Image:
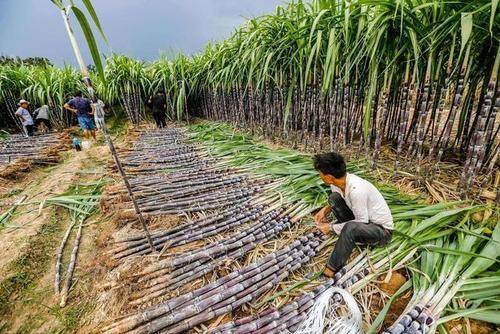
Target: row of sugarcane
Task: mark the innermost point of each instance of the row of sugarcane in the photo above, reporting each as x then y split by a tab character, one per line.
40	148
335	122
337	75
40	85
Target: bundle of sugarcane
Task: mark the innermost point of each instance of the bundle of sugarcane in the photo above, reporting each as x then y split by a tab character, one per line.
168	275
182	234
222	296
465	258
204	186
17	147
81	205
289	316
168	187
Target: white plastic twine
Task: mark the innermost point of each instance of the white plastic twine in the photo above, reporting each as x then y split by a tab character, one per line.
323	316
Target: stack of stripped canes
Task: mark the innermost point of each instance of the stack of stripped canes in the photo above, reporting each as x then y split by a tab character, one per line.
170	176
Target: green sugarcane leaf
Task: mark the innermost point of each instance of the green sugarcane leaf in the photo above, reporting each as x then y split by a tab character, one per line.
459	253
486	316
93	14
488	292
466	29
89	36
488	256
381	316
469	313
58	3
494	5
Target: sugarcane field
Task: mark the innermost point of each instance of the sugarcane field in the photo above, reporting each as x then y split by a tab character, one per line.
285	166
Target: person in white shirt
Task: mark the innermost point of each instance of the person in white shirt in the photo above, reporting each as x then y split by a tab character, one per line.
25	117
99	112
361	212
42	116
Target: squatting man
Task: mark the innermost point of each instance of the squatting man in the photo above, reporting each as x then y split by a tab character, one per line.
360	213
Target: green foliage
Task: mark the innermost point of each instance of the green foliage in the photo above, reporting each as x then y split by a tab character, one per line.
30	61
300	182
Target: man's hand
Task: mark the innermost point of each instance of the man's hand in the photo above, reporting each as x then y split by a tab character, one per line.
324	228
318	217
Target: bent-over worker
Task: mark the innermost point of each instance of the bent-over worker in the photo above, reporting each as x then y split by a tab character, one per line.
42	117
361	214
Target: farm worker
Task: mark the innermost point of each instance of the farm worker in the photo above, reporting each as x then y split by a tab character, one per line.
24	115
159	103
84	110
99	111
42	116
360	211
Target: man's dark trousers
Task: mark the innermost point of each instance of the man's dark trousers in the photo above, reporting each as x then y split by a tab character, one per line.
160	119
353	232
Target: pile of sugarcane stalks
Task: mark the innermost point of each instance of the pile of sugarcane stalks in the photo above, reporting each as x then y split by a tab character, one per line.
225	295
18	153
195	182
165	276
289	317
231	206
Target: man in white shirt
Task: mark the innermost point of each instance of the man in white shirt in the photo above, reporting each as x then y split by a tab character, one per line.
25	117
361	212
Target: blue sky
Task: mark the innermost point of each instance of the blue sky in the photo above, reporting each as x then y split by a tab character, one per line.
139	28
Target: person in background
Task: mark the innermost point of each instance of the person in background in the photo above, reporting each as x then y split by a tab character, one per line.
84	110
24	115
99	112
42	117
360	211
158	103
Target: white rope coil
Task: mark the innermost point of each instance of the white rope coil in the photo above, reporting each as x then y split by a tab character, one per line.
324	318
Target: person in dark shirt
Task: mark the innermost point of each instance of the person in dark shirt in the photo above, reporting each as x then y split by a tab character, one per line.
84	110
158	103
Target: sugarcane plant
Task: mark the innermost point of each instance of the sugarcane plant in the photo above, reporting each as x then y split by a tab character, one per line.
360	73
127	82
53	87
